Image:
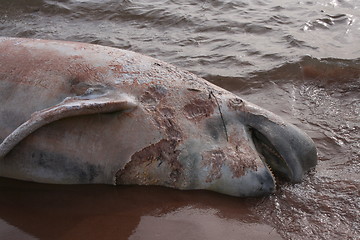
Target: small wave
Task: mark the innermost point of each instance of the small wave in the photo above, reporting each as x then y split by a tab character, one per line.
343	74
143	13
312	204
235	84
328	21
292	42
327	70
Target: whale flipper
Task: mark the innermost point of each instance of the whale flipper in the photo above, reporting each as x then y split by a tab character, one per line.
70	107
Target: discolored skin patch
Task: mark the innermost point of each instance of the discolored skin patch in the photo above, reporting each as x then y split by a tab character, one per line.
214	160
155	102
157	163
215	128
165	120
83	72
199	109
70	67
153	95
238	160
59	162
236	104
84	89
243	158
57	165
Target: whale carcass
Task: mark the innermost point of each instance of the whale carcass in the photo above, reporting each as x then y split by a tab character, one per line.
76	113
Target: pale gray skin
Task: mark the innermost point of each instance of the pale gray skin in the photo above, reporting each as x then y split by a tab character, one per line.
75	113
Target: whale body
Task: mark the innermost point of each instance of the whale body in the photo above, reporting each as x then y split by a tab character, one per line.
77	113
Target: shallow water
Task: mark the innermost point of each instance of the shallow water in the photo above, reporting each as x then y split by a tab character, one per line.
299	59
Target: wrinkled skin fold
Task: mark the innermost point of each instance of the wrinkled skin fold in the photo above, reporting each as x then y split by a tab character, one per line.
75	113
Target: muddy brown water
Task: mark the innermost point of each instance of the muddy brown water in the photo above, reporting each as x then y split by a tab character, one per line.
299	59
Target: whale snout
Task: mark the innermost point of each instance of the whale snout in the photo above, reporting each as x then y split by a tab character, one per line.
286	150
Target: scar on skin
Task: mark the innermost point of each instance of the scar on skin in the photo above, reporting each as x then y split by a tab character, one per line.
236	104
214	160
198	109
211	94
142	169
153	95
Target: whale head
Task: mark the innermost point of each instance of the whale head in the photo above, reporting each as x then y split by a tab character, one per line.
224	144
256	148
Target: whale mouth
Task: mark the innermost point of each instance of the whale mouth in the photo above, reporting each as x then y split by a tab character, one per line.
271	157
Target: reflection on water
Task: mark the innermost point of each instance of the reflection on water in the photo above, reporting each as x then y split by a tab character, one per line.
199	224
10	232
299	59
108	212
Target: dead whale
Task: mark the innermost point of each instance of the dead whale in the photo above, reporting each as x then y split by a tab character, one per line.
76	113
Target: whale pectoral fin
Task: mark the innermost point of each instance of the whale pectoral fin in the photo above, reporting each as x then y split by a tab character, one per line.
70	107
